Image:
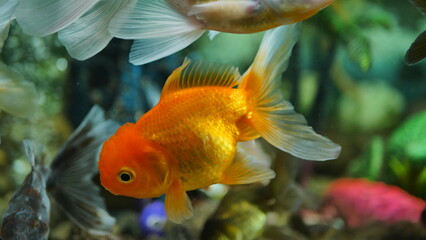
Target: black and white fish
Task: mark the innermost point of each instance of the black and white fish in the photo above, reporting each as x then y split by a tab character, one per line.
68	180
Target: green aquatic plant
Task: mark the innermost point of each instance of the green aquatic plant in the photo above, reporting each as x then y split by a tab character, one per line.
371	163
400	160
407	146
409	176
346	23
409	141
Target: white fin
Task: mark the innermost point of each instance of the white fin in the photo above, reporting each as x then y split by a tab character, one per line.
4	33
32	152
89	34
43	17
7	8
148	50
212	34
159	30
17	96
273	117
253	149
70	182
243	170
151	19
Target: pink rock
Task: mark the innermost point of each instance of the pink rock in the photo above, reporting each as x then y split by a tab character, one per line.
361	202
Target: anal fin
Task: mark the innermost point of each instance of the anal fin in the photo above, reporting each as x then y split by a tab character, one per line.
178	205
243	171
246	132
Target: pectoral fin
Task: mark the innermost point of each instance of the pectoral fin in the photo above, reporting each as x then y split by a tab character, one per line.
159	29
244	170
178	205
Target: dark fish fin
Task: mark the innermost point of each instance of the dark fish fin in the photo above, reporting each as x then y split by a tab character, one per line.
70	182
421	5
417	50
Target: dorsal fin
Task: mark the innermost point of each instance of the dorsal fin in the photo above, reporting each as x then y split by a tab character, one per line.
198	74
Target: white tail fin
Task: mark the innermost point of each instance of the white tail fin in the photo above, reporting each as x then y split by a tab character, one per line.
89	34
43	17
7	9
273	117
159	30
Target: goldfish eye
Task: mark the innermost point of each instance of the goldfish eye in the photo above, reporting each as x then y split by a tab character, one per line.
126	176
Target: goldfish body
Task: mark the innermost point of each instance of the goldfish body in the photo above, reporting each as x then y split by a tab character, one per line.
189	139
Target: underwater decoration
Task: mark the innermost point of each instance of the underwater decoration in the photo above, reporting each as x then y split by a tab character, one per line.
235	218
361	202
153	218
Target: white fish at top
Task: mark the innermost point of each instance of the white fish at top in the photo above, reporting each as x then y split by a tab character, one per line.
159	27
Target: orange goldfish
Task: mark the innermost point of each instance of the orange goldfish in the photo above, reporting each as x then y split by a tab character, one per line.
189	139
